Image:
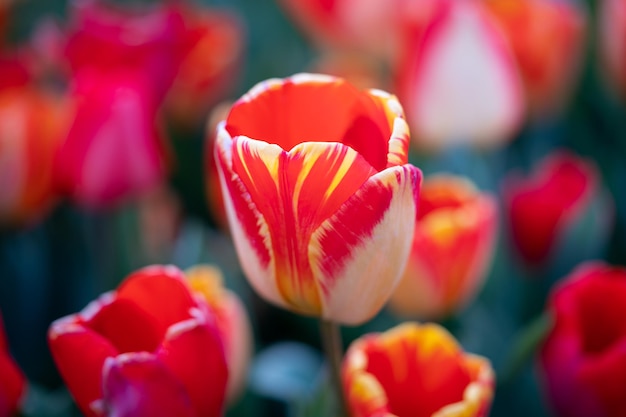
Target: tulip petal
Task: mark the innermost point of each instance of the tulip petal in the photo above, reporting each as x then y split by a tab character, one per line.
366	243
11	385
126	326
161	292
79	353
310	183
281	112
137	385
193	352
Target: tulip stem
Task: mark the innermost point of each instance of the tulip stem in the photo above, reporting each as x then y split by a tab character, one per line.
333	348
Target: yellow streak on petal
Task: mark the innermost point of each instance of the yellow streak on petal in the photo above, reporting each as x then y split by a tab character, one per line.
346	163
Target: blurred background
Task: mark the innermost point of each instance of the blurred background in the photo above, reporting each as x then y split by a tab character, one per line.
107	113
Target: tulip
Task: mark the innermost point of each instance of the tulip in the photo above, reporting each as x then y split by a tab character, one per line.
211	60
547	39
151	347
319	196
114	126
418	371
105	39
12	381
453	54
612	38
562	200
583	358
452	249
33	124
232	322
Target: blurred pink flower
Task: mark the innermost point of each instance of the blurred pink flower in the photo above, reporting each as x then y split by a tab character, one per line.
612	38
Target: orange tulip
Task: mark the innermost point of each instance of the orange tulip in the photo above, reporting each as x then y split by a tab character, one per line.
32	127
415	370
547	39
232	322
319	195
452	248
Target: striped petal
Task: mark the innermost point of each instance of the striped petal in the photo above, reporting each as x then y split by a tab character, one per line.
280	198
359	253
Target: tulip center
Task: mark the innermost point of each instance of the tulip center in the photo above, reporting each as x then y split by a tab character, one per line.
315	112
418	386
601	316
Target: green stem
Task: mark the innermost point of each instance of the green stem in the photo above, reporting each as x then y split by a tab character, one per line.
331	339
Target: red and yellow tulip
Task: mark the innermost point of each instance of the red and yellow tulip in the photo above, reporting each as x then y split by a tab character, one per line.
319	195
452	249
151	347
415	370
583	359
12	381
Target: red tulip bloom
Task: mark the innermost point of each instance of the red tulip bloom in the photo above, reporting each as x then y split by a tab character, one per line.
212	57
453	52
547	39
583	358
12	381
545	206
149	348
452	249
415	371
319	195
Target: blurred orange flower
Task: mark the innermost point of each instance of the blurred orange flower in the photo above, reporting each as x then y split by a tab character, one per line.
33	125
548	40
453	246
415	370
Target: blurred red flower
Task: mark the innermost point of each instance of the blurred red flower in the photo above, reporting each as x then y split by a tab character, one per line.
415	371
12	381
583	359
150	348
563	193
